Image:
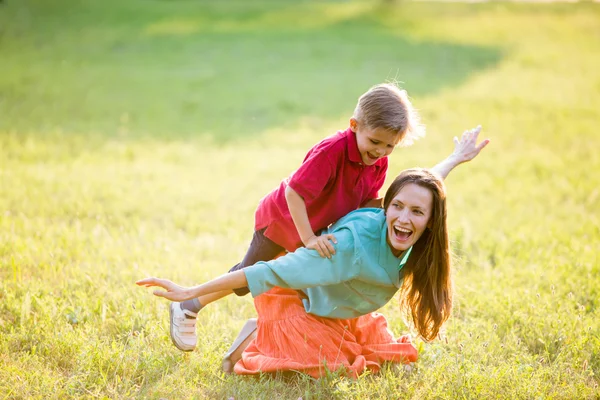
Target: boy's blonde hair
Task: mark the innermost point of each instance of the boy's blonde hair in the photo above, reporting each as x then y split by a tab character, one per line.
387	106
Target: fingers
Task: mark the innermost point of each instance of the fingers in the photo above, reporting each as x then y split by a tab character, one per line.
332	238
330	241
323	245
469	137
482	145
147	282
319	249
315	245
326	246
171	291
167	295
473	133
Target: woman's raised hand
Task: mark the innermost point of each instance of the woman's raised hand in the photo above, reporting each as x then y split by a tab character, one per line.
467	148
172	291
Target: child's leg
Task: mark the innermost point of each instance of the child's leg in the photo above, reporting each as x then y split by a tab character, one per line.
183	315
183	321
209	298
261	249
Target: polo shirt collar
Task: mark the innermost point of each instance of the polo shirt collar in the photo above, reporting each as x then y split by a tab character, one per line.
353	153
388	260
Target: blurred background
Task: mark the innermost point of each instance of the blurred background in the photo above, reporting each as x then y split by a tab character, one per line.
137	137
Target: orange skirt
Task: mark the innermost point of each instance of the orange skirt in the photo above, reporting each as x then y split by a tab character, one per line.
290	339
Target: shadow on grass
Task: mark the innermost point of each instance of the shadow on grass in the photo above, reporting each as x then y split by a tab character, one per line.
179	69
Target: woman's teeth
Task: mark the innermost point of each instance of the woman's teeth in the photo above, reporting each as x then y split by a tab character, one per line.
402	233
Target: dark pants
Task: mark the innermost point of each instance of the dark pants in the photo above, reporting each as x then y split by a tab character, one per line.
261	249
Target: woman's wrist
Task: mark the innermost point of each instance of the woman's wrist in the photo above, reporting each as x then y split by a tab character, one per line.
192	292
454	160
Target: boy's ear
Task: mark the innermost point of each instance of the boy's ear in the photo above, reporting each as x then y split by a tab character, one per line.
353	124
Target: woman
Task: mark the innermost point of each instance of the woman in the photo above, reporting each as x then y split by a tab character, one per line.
315	311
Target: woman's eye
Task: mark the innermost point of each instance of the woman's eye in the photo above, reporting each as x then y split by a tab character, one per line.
418	212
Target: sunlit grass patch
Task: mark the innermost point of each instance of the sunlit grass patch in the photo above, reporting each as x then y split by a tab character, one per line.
137	138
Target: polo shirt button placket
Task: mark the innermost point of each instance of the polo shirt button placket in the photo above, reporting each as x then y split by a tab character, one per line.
362	169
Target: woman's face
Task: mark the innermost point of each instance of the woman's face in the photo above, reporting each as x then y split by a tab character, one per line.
407	217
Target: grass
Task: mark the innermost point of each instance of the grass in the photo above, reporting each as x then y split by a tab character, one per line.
136	138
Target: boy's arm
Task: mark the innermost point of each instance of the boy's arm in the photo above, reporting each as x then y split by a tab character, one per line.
465	150
304	268
297	208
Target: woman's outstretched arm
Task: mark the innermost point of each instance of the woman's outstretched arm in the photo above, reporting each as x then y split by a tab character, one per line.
301	269
175	292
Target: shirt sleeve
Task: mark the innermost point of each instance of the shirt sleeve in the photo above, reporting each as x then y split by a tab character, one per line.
379	181
304	268
313	175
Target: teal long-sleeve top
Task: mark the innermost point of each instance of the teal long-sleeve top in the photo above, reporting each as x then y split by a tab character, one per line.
361	277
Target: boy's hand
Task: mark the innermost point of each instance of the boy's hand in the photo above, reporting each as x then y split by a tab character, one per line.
467	148
322	244
173	292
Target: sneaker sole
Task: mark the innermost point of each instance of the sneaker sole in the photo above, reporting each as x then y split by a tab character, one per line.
171	330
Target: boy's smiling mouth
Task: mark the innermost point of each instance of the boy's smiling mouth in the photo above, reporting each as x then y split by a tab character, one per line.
372	157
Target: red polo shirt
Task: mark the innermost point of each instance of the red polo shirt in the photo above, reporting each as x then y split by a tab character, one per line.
332	180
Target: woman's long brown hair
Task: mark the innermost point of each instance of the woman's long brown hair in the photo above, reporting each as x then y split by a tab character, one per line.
426	292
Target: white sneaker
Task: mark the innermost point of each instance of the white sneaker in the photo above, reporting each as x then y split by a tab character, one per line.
183	330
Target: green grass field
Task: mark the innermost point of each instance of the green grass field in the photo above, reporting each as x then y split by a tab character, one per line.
137	137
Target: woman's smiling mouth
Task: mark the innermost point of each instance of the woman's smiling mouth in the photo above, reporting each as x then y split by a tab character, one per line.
402	234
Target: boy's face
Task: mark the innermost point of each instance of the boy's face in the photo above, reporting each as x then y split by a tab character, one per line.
374	144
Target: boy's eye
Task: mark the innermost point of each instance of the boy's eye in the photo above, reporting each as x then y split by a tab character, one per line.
374	141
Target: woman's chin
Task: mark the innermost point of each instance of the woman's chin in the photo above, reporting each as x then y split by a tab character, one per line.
399	247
